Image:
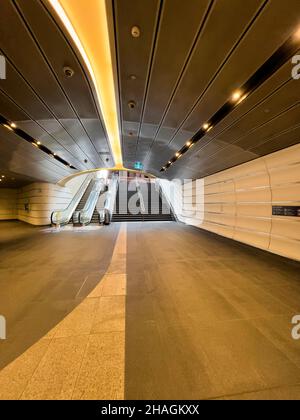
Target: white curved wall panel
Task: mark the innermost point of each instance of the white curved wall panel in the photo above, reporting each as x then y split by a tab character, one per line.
8	204
237	203
37	201
34	203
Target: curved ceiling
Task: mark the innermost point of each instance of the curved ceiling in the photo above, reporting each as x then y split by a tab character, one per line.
188	60
58	111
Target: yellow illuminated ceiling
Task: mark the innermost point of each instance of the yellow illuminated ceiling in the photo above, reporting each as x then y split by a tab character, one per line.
87	23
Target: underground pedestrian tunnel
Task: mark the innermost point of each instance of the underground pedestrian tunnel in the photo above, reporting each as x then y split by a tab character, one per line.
149	199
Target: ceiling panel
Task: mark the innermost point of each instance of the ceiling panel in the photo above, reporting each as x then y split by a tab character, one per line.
20	157
170	58
214	47
192	75
61	112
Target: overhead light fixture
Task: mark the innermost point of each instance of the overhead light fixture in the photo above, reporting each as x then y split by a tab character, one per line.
89	29
177	154
265	72
7	126
297	35
25	136
2	176
236	96
135	32
188	143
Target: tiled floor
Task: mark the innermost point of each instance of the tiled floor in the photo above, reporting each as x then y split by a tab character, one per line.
145	311
82	357
44	276
208	318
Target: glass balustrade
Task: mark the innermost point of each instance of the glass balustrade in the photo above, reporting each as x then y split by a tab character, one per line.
85	215
62	217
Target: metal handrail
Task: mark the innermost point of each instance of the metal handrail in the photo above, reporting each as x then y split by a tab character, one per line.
62	217
160	189
86	214
108	209
141	198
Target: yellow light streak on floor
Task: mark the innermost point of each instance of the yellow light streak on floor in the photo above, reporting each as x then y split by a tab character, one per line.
83	357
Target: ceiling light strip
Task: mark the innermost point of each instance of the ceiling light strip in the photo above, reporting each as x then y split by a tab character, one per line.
25	136
280	57
88	28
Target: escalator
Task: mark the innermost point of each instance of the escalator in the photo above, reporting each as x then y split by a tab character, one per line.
83	207
75	216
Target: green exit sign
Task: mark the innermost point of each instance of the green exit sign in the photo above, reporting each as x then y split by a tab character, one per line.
138	166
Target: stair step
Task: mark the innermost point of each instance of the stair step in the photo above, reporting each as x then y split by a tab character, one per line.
157	208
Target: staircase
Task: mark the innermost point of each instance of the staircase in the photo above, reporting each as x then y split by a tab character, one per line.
156	207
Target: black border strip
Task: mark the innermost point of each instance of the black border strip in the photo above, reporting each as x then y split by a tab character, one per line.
25	136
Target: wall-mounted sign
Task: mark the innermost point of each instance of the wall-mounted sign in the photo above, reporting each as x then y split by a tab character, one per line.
289	211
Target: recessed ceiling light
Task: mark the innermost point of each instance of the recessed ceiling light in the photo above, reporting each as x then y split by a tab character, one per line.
135	32
188	143
38	143
177	154
13	125
237	96
297	35
205	126
2	176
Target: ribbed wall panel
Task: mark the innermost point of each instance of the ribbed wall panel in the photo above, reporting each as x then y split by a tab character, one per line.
237	203
41	200
8	204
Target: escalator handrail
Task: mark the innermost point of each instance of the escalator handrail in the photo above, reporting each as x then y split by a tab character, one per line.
86	214
111	197
160	189
64	216
141	198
